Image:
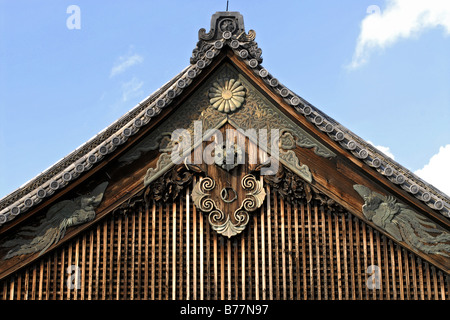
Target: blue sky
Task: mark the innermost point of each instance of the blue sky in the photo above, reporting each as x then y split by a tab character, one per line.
380	68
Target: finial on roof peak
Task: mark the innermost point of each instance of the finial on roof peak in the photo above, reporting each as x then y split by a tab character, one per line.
227	28
223	21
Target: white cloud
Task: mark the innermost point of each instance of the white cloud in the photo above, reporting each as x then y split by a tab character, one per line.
131	88
400	19
384	149
124	62
437	171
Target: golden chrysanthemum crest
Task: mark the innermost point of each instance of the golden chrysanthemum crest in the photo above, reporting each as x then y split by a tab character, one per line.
226	95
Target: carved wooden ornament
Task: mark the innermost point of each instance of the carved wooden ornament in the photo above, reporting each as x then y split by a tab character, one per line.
225	222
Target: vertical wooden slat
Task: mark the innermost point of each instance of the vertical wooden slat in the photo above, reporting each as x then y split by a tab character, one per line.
407	273
358	258
435	285
27	282
372	259
216	270
414	277
5	291
146	256
344	250
283	248
290	252
243	265
181	264
352	258
19	286
97	264
441	285
255	241
317	252
269	242
249	264
160	252
377	234
41	280
229	269
364	243
208	259
386	268
119	256
91	263
194	250
11	289
47	270
188	244
76	263
125	256
69	264
304	271
133	253
263	250
427	279
447	277
236	269
393	267
167	253
421	289
202	277
222	269
276	244
311	252
297	251
400	272
56	272
111	258
174	250
153	265
139	262
338	258
105	253
83	267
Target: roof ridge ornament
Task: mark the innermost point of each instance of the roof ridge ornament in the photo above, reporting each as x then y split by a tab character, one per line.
223	22
226	28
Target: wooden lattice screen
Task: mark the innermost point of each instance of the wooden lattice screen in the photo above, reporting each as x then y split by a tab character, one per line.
288	251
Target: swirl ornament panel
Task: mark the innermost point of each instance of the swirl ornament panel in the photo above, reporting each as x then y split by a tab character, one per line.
223	222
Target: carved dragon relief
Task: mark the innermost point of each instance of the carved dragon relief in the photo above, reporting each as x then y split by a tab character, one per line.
403	223
52	227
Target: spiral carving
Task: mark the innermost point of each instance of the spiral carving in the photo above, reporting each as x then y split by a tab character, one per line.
216	216
241	216
249	182
219	220
249	204
207	184
206	204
